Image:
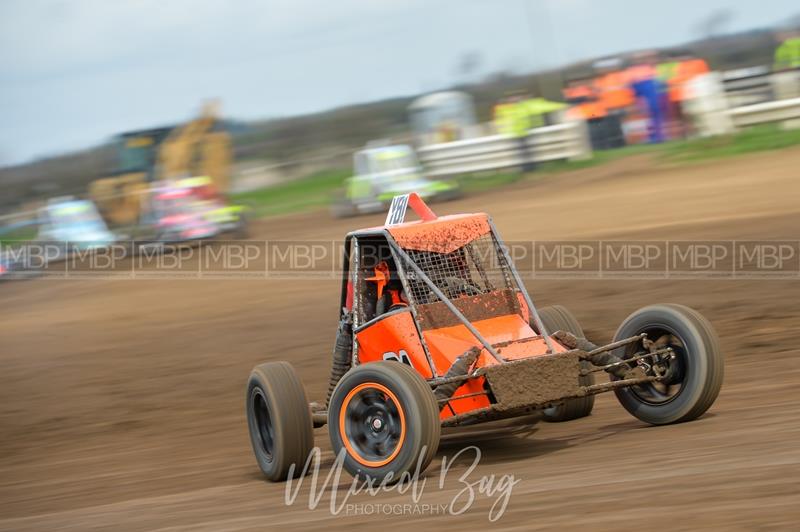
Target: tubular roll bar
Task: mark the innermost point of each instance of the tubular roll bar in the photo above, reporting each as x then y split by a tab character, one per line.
444	299
517	279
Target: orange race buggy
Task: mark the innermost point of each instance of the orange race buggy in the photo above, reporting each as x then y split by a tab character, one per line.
438	330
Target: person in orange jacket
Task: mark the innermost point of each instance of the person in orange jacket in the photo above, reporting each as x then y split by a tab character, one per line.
615	95
585	104
614	90
583	101
688	68
685	71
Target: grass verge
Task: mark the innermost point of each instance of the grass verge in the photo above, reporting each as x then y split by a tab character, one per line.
317	190
310	192
754	139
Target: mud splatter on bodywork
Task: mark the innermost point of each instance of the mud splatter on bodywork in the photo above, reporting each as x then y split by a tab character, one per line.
443	235
534	381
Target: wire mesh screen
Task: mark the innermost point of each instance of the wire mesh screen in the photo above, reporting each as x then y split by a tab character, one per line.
474	269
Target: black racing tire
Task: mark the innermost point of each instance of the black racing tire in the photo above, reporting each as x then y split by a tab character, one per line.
279	420
341	206
558	318
242	229
698	357
449	195
343	210
407	434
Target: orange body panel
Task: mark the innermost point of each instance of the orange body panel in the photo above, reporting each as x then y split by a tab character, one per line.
522	347
447	343
467	404
500	316
397	333
442	235
391	335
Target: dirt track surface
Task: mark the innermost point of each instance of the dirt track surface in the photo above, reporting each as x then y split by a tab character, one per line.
121	402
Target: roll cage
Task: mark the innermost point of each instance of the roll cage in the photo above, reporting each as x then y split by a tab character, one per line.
450	276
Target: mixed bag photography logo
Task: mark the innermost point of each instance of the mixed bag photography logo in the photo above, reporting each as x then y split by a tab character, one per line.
453	490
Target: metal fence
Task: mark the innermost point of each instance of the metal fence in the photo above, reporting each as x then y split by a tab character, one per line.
747	86
758	96
567	141
759	113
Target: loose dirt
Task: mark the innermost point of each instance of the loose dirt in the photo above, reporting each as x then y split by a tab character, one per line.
122	401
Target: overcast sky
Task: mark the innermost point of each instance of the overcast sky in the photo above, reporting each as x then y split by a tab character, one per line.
74	72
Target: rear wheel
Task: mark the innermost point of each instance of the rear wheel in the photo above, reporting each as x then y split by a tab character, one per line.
241	230
449	195
385	419
343	209
279	420
558	318
692	379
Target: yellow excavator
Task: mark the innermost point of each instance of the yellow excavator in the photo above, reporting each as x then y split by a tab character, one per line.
200	147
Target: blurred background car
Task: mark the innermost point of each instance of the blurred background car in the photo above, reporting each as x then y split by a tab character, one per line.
74	224
229	218
384	172
178	216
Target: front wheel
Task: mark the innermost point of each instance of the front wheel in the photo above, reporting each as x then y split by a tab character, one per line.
385	419
279	419
691	379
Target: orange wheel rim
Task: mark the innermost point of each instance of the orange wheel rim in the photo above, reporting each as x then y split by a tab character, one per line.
347	437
